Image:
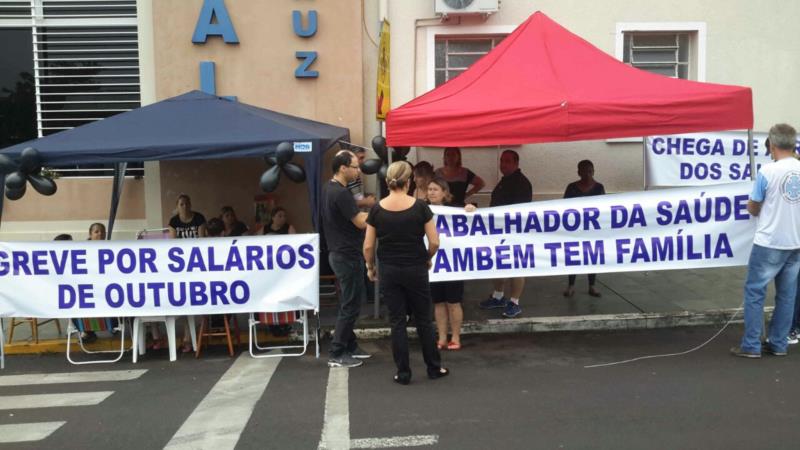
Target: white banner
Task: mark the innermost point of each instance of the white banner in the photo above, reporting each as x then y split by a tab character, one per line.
680	228
271	273
700	159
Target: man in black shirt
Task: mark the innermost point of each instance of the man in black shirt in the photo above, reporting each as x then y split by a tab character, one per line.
344	226
513	188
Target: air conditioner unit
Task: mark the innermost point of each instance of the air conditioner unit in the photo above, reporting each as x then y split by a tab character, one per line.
457	7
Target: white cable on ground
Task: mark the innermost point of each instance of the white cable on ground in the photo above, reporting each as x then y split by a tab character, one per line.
736	313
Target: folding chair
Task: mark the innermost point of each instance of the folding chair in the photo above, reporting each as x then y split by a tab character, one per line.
34	323
282	318
95	324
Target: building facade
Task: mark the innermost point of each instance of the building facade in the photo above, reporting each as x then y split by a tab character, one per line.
318	59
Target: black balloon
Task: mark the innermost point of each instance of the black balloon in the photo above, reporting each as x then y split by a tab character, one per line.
284	153
30	161
271	160
15	194
382	172
43	185
15	180
400	153
294	172
379	145
7	165
371	166
270	178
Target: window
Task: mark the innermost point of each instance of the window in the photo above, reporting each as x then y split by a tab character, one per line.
661	53
454	55
17	92
85	64
674	49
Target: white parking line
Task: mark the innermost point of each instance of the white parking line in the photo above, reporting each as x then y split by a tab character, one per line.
336	425
395	442
220	418
52	400
70	377
27	432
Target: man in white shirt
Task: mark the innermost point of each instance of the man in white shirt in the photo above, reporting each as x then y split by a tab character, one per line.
775	201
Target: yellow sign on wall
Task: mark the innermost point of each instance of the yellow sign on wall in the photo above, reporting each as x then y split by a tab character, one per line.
382	103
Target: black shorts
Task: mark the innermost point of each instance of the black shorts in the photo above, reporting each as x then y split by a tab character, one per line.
447	291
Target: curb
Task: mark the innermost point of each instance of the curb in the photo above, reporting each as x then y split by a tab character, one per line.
596	322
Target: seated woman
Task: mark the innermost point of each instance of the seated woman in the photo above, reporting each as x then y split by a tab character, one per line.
278	224
585	187
458	177
423	174
233	226
186	224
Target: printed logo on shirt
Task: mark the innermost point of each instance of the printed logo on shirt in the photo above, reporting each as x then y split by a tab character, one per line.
790	187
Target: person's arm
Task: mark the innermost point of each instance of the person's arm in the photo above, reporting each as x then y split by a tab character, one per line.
433	239
172	232
754	208
202	231
292	230
477	184
360	220
369	252
757	195
367	202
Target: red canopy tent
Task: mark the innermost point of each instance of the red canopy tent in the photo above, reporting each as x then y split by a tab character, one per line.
545	84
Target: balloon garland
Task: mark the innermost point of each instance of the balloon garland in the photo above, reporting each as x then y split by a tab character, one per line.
27	171
381	164
281	161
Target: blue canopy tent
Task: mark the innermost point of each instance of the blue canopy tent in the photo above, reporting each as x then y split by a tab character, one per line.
194	125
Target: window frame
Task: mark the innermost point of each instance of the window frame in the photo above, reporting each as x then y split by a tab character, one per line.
452	31
698	28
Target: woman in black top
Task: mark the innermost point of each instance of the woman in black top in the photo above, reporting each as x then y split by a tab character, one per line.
585	187
399	223
232	225
458	177
186	223
183	225
278	223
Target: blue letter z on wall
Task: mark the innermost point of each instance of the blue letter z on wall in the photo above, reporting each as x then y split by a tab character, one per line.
308	59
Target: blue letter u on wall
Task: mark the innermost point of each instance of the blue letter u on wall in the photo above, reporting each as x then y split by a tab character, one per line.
297	23
206	27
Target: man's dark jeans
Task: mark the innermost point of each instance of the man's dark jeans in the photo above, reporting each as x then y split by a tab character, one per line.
349	271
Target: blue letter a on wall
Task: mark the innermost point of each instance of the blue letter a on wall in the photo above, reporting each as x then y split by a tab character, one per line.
206	26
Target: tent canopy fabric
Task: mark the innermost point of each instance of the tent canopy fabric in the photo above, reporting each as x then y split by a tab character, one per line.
194	125
545	84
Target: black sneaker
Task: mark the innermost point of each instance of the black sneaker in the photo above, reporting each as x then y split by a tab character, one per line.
766	348
344	361
737	351
359	353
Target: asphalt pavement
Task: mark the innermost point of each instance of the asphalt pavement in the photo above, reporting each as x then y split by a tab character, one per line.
527	391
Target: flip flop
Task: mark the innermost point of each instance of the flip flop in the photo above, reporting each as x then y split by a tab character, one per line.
454	346
440	346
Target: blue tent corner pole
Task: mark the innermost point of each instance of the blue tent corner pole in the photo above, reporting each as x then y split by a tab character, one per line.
116	193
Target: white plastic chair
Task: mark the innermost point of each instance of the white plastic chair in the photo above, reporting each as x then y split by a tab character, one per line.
284	318
105	325
139	345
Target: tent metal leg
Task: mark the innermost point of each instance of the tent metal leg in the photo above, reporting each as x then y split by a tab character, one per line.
116	193
644	162
750	153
